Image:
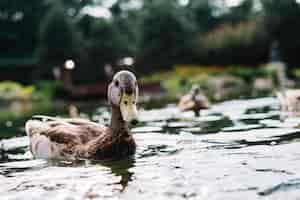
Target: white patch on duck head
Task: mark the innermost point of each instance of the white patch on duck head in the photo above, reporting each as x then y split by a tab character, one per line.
114	93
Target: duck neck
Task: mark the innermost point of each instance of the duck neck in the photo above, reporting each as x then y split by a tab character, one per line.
117	124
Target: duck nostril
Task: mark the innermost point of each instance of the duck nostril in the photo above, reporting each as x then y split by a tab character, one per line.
134	122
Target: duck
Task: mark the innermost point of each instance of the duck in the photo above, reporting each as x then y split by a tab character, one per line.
194	101
55	138
290	102
289	98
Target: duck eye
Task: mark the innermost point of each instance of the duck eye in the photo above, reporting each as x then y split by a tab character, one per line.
125	102
117	83
133	102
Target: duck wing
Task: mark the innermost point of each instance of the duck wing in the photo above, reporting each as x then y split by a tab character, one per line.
186	103
52	137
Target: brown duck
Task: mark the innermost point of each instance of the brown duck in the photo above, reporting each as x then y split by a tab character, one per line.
71	139
195	101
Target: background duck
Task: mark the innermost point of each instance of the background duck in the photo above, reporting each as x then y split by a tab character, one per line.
195	100
74	138
289	98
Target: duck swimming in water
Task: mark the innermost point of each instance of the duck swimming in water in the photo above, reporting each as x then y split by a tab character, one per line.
75	138
289	98
195	100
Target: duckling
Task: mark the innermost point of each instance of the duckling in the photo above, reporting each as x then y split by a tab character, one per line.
75	138
195	100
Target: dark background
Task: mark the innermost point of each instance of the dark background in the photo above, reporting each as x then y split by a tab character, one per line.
38	35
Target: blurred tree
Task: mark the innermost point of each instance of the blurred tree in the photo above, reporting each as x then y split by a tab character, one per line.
239	13
167	35
203	13
127	21
105	45
129	28
156	33
282	20
73	7
59	40
241	44
19	22
108	39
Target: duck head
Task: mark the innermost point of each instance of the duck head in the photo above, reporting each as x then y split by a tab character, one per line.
195	91
123	94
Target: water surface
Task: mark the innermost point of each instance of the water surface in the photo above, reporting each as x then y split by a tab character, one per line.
234	150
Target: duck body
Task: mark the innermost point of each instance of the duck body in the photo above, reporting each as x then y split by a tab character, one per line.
188	102
75	138
194	101
72	139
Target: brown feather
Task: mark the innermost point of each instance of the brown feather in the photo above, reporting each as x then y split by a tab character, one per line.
84	139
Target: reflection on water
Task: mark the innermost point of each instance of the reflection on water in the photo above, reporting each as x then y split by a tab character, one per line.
121	168
235	149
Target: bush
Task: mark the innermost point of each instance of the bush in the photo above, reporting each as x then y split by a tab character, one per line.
218	82
14	91
167	36
246	43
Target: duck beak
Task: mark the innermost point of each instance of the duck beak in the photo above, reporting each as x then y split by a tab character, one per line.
128	108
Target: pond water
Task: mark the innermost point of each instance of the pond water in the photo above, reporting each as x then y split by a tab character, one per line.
237	149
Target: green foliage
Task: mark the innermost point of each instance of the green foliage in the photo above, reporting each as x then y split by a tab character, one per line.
107	41
218	83
19	24
202	14
19	102
216	87
46	90
249	74
239	14
167	35
158	34
105	44
14	91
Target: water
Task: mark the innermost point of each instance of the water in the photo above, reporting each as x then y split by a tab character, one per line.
237	149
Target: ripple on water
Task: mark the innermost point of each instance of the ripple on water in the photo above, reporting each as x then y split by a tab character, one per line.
286	186
146	129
